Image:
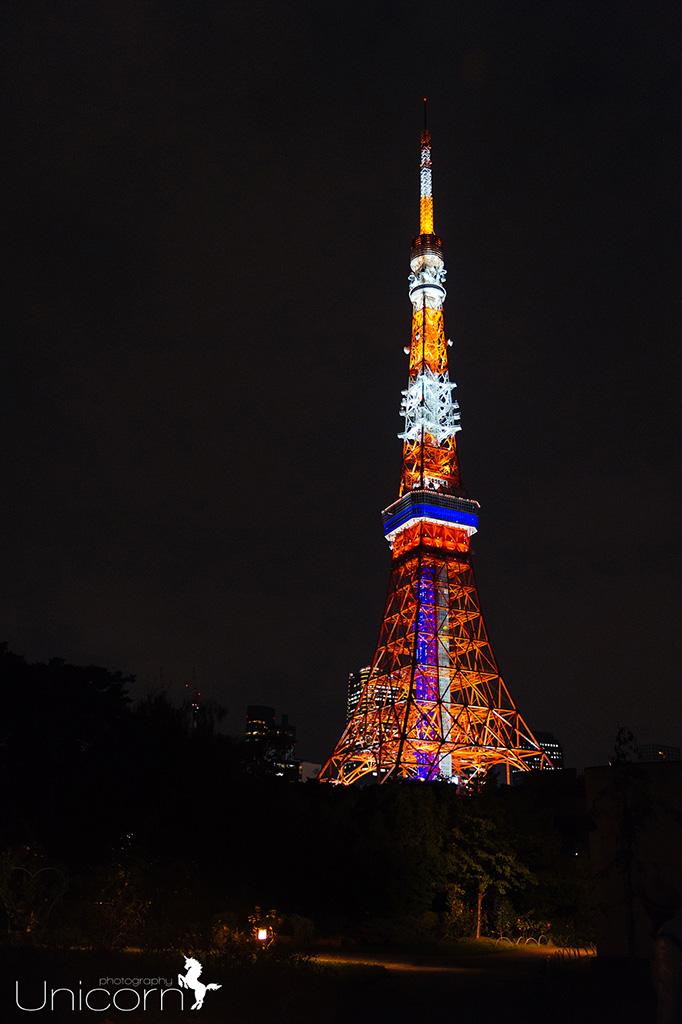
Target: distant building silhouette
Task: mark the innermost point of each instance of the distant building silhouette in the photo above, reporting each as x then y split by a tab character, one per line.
658	752
260	721
551	747
308	770
193	704
270	744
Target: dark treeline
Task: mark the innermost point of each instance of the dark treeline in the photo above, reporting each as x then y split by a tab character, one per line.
144	823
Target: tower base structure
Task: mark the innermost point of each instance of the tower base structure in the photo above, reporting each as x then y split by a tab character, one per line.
435	706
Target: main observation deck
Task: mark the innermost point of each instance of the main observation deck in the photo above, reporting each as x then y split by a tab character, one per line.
432	506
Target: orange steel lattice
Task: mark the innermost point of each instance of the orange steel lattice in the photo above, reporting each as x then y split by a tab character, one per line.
434	705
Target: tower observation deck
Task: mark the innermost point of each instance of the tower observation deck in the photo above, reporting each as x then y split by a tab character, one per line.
434	705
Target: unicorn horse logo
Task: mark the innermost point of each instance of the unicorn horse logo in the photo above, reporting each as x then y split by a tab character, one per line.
191	980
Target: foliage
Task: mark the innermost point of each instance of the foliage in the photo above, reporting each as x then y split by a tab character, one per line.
629	802
178	825
270	755
124	909
624	748
486	860
458	919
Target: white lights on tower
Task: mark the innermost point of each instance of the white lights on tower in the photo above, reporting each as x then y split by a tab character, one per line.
425	173
428	407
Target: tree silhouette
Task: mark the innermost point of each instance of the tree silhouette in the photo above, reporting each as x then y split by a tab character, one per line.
485	860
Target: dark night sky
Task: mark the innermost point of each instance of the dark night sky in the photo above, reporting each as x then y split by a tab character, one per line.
213	205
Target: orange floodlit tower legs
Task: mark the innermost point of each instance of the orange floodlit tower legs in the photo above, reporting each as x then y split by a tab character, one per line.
435	705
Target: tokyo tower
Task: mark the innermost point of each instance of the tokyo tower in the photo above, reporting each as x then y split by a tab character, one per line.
434	705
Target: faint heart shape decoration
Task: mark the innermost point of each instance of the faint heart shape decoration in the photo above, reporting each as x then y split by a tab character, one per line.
29	896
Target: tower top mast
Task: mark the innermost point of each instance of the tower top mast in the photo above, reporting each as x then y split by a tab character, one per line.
426	241
431	414
425	190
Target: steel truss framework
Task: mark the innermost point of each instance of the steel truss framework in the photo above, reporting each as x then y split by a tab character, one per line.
434	705
431	414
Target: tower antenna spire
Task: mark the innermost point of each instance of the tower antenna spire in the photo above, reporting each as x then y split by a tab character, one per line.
425	191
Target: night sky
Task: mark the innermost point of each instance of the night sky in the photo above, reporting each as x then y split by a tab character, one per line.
212	205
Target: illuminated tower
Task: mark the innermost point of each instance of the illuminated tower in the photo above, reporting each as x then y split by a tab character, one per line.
434	705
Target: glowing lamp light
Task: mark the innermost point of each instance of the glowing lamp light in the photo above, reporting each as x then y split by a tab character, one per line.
262	934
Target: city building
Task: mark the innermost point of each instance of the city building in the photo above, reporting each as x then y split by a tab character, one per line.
552	748
260	722
308	770
554	756
356	684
